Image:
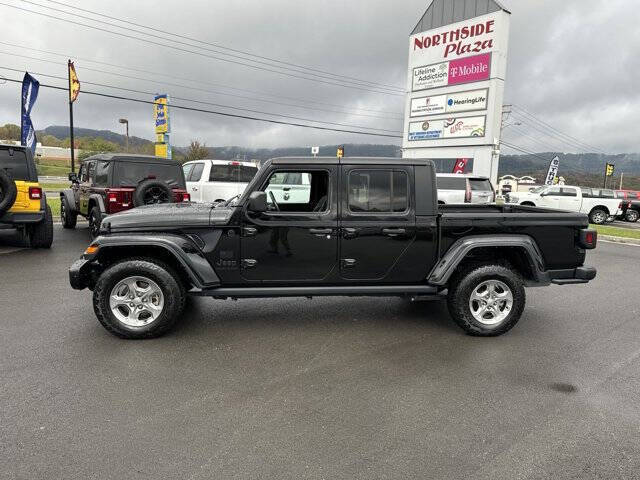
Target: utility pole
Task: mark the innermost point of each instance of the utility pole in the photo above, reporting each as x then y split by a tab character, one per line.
621	177
71	144
126	123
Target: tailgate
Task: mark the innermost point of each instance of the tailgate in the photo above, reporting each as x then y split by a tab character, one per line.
23	203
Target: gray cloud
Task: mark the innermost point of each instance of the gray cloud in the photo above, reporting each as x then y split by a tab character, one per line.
572	63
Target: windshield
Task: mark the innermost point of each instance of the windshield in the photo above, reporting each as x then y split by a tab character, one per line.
129	174
14	162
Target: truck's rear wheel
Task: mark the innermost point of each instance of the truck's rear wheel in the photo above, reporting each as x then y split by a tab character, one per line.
487	299
95	219
138	298
598	216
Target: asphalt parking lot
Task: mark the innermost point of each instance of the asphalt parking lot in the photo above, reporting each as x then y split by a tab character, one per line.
324	388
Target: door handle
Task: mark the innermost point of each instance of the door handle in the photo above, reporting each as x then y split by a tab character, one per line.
320	231
393	232
349	232
249	231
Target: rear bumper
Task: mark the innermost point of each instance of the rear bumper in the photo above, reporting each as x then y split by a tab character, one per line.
22	217
571	276
80	274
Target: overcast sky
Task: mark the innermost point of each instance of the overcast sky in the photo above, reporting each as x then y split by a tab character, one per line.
574	64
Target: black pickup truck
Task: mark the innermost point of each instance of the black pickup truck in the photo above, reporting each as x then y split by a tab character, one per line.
351	227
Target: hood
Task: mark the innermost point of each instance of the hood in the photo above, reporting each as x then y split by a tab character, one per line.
167	216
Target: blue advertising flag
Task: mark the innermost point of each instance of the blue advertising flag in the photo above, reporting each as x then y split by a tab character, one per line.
30	87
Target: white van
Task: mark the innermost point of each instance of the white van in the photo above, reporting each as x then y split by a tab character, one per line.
211	181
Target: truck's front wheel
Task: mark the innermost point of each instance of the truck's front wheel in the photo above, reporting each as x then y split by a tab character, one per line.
486	300
138	298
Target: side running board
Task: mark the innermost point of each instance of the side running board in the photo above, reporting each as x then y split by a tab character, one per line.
345	291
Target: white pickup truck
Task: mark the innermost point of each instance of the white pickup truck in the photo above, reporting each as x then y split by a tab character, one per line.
591	201
211	181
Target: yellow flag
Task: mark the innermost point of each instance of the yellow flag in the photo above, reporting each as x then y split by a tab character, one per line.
74	83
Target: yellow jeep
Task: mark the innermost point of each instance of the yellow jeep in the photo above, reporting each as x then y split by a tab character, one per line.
22	201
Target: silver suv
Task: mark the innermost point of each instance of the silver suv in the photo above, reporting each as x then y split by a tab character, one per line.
457	188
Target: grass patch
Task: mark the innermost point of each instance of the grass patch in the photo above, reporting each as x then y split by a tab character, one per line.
54	204
617	231
55	186
53	170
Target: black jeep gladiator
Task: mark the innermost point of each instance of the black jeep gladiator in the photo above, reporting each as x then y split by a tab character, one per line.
353	227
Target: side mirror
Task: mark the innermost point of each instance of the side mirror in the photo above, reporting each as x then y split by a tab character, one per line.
257	202
73	177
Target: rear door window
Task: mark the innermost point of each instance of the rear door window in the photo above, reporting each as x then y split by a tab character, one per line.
376	191
196	172
451	183
14	162
102	173
480	184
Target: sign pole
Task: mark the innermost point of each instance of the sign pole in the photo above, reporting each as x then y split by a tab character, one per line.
71	144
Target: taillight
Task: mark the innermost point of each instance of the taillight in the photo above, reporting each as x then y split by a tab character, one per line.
112	197
467	194
35	193
186	197
588	238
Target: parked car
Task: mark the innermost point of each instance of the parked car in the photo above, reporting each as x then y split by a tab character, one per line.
113	182
211	181
23	204
600	205
369	227
455	188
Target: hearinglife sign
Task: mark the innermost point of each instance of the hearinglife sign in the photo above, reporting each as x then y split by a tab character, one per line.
455	84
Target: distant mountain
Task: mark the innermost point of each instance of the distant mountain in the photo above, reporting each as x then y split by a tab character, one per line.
583	163
62	131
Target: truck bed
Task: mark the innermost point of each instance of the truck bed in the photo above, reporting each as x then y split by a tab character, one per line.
553	230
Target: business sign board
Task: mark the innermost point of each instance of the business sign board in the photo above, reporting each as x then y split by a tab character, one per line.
450	103
161	113
454	72
463	127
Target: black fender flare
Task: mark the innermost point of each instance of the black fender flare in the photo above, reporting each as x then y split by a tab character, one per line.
447	265
97	199
70	196
183	250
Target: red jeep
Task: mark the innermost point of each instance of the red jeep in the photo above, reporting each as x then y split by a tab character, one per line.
113	182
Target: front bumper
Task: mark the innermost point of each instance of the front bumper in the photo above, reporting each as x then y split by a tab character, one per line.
80	274
571	276
19	218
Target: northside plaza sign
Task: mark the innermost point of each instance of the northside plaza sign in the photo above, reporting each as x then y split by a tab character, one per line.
455	89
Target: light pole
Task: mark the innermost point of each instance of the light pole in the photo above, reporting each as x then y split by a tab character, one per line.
126	122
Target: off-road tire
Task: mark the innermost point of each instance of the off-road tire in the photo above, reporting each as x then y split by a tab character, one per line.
143	187
68	217
8	191
41	234
95	219
632	216
463	284
598	216
172	289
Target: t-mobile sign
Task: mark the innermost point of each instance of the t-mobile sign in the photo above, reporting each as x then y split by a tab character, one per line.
470	69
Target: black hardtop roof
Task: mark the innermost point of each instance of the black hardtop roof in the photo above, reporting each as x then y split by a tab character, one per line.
131	157
351	161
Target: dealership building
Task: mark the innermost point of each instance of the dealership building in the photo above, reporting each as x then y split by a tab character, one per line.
455	84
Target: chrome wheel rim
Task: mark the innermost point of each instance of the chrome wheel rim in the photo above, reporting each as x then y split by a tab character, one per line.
491	302
599	217
136	301
632	216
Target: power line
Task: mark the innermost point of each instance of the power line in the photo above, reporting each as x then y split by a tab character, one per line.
355	87
558	132
217	85
519	149
217	45
202	102
214	112
535	140
163	37
198	89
